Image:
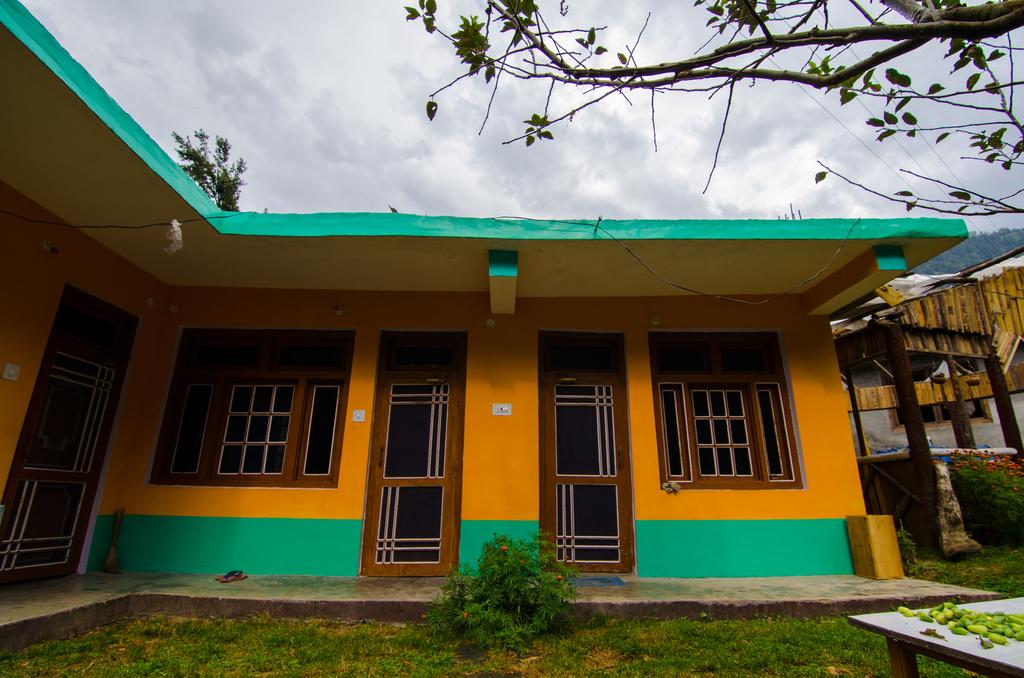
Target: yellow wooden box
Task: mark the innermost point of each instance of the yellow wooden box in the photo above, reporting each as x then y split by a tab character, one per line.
876	553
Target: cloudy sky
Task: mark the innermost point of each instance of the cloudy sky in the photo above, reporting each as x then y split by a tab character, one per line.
326	105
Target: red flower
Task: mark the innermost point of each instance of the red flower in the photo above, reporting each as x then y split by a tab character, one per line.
504	548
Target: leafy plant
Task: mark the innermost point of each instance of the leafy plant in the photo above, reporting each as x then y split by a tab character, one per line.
219	178
517	592
908	551
991	494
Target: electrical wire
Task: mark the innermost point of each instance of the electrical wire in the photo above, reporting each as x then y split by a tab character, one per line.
125	227
720	297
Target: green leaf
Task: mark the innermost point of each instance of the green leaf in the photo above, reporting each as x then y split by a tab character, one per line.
431	109
488	73
529	140
544	134
960	195
591	36
897	78
906	194
819	177
623	59
941	137
890	118
909	118
431	6
846	96
911	205
875	122
903	102
885	135
935	88
600	50
973	80
996	54
413	14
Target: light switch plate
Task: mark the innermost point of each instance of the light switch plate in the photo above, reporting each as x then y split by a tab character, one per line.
501	409
358	415
11	371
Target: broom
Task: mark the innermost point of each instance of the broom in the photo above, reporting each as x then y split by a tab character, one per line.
112	565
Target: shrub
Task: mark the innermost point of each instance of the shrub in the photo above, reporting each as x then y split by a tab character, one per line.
908	551
517	592
991	495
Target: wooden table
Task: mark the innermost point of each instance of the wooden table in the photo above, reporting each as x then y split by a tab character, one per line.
903	635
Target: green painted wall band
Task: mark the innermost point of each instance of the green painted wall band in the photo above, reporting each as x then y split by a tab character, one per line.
209	545
325	547
503	263
890	258
742	548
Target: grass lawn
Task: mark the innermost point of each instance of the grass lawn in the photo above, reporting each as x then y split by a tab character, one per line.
263	646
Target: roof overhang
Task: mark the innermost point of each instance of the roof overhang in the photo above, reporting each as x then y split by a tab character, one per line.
69	147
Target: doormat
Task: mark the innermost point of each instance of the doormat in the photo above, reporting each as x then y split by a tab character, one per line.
598	581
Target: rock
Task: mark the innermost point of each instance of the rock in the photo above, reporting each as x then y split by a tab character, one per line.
952	537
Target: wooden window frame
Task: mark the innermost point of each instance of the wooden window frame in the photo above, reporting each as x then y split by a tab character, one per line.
773	378
265	371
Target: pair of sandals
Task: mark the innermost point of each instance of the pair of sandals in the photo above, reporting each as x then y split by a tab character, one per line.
233	575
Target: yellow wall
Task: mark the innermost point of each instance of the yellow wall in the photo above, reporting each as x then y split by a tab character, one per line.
31	283
500	463
501	458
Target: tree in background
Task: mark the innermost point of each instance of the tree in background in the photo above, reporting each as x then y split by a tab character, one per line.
849	47
217	175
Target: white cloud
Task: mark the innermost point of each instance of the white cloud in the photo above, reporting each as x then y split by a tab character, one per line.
326	104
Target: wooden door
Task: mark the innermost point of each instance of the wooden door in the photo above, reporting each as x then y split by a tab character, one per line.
586	484
60	453
412	514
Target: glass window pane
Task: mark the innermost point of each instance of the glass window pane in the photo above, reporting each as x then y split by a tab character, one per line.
320	443
241	396
309	356
744	359
735	401
738	428
673	446
682	359
253	460
704	432
581	357
231	459
706	457
721	431
700	403
283	399
717	403
576	440
765	398
408	437
261	398
275	459
213	355
258	428
235	432
743	467
192	429
279	429
724	461
424	356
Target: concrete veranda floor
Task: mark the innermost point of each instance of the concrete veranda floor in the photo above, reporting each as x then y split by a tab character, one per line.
53	608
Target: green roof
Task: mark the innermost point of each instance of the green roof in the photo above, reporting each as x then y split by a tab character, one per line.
27	29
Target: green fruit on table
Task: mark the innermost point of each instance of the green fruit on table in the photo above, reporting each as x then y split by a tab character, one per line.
961	631
997	639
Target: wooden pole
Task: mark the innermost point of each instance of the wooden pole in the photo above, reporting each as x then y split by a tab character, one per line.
913	424
962	431
1004	405
855	409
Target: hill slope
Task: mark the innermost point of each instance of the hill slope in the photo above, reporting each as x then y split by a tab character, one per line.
977	248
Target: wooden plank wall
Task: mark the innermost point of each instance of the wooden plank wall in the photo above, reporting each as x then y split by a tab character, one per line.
974	385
